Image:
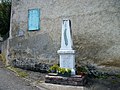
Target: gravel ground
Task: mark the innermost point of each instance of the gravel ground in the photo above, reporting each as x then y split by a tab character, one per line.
8	81
108	83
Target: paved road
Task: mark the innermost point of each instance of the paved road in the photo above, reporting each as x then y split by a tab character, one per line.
8	81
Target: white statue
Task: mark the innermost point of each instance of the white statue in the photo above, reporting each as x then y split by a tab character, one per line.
67	57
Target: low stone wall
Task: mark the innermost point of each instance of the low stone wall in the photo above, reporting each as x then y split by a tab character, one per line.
3	52
30	64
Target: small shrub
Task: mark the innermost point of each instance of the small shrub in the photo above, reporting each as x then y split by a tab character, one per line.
118	75
81	70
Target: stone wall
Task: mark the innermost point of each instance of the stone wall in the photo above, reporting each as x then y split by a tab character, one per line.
95	28
3	48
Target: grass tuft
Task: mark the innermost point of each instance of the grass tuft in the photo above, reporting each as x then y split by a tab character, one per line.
2	58
18	71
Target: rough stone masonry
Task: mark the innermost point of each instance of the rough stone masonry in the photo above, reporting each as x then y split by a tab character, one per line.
95	28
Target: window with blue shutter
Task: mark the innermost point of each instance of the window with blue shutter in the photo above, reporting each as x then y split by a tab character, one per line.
33	19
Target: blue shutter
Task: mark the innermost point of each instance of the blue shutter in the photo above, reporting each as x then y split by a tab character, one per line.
33	19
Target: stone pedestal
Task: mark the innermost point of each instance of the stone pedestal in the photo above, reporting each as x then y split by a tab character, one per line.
67	54
67	59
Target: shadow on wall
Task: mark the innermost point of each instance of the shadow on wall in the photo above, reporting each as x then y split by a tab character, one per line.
89	51
29	53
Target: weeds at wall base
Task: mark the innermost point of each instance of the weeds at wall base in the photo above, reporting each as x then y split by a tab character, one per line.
18	71
3	58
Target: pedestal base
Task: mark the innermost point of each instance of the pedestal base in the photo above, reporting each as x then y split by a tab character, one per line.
74	81
67	59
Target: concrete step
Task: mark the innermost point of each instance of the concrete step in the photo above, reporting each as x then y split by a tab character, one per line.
60	87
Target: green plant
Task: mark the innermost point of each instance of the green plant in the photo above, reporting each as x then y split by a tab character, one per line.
54	68
2	58
64	72
118	75
68	70
81	70
61	70
18	71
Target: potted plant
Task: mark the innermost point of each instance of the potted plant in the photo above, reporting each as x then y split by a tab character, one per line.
54	68
64	72
68	72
